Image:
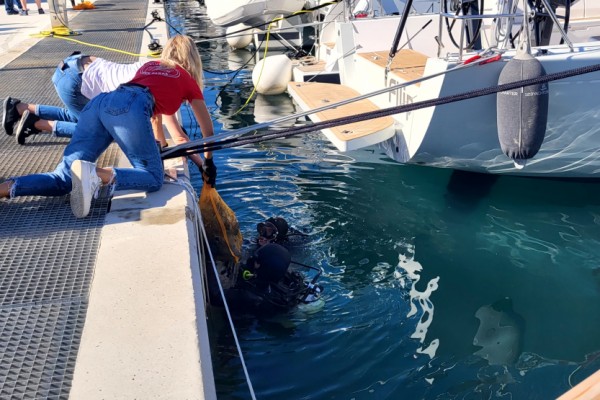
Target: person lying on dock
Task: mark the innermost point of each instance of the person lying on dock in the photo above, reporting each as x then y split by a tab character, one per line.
77	79
277	230
124	116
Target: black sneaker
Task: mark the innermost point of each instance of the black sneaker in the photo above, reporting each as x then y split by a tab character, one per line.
25	127
40	11
10	115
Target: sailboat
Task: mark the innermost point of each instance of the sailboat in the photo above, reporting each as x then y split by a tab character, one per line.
550	129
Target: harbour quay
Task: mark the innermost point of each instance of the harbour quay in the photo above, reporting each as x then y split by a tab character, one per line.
110	306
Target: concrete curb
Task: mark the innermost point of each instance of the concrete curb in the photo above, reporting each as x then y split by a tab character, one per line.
145	335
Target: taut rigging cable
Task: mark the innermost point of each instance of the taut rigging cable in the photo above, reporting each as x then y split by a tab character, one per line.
482	57
201	146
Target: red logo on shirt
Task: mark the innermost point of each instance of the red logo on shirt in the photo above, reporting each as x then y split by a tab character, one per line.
158	69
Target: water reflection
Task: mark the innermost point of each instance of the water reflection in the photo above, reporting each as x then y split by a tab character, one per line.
466	189
500	333
240	58
421	305
268	108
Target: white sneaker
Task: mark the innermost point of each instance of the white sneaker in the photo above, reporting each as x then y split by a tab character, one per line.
86	184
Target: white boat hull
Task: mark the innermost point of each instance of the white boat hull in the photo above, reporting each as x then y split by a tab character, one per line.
250	12
463	135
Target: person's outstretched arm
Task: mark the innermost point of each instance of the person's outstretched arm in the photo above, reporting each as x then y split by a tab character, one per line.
203	117
179	136
208	168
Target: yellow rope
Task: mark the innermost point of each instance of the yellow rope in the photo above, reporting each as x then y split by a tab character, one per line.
262	67
60	31
61	36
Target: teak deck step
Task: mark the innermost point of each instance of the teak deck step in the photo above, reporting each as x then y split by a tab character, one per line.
311	95
408	64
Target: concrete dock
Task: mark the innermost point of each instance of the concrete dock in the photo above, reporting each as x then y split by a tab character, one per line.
110	306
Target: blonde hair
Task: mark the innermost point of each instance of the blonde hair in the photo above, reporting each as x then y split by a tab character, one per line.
181	50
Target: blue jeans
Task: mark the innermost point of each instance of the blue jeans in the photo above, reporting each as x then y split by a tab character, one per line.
64	125
122	116
67	82
9	5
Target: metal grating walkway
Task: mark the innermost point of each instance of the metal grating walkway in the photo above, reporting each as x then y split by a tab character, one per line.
47	256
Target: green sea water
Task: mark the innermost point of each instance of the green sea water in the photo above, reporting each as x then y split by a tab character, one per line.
438	284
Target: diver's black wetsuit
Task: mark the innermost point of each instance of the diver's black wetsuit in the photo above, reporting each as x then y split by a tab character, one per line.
267	285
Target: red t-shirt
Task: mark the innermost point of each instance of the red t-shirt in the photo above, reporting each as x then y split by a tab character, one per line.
169	86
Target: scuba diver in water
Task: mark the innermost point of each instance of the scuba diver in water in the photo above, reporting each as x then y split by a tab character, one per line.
266	283
277	230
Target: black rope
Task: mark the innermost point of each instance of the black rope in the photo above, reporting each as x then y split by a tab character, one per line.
238	71
270	135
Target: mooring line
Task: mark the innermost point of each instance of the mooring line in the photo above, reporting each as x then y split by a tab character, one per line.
267	124
195	146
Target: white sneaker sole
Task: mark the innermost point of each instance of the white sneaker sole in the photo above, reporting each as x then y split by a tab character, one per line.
20	137
80	205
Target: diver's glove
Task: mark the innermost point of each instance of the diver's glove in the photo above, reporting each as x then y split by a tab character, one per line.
209	171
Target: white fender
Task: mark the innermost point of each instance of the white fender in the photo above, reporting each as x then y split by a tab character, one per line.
241	39
272	74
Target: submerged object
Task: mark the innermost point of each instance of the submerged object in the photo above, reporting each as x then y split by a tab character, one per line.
522	113
500	333
272	74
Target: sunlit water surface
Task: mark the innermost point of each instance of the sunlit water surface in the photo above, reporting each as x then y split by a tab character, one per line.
438	285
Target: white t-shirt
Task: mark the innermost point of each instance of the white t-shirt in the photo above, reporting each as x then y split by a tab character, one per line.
103	76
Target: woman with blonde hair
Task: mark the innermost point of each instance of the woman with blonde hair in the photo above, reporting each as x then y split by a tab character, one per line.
124	116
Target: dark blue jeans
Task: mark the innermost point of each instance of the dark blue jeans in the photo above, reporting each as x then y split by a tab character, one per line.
9	5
